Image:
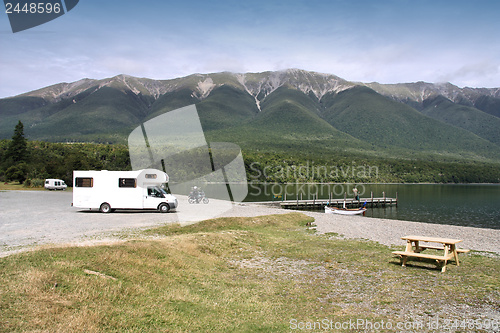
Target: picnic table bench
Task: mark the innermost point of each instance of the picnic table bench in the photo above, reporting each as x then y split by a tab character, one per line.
414	249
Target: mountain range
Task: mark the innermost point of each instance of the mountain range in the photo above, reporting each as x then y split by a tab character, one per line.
283	111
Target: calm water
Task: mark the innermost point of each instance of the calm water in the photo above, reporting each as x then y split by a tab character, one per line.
465	205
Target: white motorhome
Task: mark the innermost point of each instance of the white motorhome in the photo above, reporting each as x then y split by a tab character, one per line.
55	184
110	190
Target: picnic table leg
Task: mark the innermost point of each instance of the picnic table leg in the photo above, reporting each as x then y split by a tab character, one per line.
403	259
443	269
455	254
417	247
409	246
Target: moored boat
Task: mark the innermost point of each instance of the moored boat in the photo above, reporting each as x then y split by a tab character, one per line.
345	211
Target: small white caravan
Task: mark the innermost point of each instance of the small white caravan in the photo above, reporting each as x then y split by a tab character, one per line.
110	190
55	184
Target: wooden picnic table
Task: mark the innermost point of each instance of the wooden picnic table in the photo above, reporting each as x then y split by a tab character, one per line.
414	249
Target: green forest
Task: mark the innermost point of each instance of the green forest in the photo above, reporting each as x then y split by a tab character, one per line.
30	162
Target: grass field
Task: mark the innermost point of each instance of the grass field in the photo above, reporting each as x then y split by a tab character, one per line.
11	186
262	274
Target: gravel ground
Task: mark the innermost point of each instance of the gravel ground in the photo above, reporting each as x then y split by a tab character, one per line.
32	218
385	231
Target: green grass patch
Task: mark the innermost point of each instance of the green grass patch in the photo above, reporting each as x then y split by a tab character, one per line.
16	186
261	274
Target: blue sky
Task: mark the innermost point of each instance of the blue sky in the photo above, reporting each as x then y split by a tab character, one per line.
387	41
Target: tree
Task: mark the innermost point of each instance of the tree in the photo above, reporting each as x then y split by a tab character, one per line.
17	150
17	172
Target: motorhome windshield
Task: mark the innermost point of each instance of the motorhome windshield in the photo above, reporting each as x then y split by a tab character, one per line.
156	191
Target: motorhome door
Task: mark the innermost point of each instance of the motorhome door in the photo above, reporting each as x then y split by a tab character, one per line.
152	197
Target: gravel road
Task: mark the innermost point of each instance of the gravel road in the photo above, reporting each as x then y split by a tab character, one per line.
30	219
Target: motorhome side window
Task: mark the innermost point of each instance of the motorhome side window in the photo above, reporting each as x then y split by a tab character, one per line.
84	182
151	176
127	182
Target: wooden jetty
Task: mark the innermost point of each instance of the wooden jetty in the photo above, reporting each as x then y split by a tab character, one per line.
316	203
320	203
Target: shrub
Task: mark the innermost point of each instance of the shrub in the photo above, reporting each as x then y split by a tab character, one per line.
34	183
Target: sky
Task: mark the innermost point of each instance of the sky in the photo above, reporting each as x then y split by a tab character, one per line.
386	41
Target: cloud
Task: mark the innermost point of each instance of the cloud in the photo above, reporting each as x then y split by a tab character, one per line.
359	41
483	73
122	65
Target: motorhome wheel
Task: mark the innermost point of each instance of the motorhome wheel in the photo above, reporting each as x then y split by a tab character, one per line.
164	208
105	208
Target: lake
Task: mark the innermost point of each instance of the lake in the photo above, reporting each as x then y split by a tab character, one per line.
458	204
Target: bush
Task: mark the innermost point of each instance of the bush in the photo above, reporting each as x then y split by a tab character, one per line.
34	183
17	172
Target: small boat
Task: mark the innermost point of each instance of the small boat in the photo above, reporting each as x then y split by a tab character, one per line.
345	211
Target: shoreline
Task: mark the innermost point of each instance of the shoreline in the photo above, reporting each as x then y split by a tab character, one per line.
386	231
50	220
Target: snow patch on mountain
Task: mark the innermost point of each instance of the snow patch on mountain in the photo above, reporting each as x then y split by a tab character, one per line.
242	80
62	91
205	88
260	85
125	80
308	82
